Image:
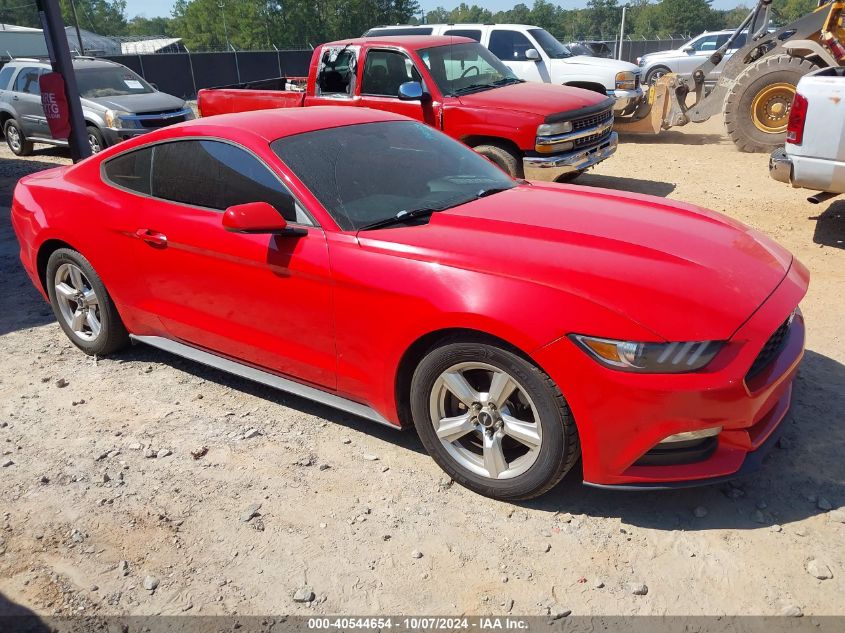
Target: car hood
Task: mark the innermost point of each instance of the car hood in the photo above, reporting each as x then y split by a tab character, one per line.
534	98
614	65
139	103
683	272
662	55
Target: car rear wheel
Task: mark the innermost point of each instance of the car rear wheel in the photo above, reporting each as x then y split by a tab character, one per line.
492	420
16	140
82	304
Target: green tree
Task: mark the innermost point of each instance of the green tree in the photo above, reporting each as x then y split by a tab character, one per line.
785	11
105	17
686	16
140	25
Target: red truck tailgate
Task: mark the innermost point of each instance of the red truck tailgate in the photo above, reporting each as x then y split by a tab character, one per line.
225	100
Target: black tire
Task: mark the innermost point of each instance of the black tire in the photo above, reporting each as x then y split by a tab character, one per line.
22	147
505	158
559	450
95	139
112	335
654	74
739	120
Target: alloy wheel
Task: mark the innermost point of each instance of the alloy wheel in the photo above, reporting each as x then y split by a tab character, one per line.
94	143
14	138
78	302
486	420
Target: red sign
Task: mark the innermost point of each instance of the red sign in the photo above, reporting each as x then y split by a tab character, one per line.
55	104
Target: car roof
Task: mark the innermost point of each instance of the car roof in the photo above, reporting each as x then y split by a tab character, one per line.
459	25
78	62
270	125
406	41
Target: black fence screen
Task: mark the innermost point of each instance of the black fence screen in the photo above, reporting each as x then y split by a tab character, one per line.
183	74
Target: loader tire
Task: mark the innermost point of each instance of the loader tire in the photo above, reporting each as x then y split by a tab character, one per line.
757	106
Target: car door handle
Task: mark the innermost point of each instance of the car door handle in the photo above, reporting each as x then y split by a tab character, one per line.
15	98
151	237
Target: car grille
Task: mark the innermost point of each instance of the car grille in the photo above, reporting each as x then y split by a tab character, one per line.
770	350
592	121
162	122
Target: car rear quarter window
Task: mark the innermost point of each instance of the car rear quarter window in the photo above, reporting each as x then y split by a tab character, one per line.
6	76
131	170
473	34
214	175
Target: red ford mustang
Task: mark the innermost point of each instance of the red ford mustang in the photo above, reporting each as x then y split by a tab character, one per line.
369	262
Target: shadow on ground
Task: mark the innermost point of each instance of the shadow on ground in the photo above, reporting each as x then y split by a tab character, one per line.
672	137
14	617
830	226
637	185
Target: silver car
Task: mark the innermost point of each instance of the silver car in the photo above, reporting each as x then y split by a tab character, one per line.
116	102
686	59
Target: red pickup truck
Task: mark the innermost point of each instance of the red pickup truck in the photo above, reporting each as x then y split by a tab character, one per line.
532	130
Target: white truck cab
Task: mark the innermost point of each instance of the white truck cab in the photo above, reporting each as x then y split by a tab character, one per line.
814	156
533	54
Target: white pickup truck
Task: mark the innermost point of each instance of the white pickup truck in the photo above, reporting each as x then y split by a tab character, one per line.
533	54
814	156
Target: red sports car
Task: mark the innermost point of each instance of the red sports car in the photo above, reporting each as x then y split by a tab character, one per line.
369	262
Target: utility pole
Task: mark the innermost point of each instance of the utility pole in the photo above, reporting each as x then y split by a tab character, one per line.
621	33
76	24
222	6
57	45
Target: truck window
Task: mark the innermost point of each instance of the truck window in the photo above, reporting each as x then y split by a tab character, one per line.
509	46
473	34
27	81
336	75
385	71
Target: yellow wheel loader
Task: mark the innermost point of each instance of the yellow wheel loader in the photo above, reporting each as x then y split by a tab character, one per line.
756	85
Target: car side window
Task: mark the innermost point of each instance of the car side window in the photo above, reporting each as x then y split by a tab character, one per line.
131	170
740	40
706	44
385	71
509	46
27	81
336	75
474	34
6	76
216	175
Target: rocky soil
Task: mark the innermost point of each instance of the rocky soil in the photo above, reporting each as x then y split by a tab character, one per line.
145	484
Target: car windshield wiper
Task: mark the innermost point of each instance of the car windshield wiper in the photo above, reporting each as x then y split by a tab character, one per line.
401	218
507	81
472	88
483	193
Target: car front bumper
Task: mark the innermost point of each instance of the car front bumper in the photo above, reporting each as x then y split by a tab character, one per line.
625	98
552	167
623	416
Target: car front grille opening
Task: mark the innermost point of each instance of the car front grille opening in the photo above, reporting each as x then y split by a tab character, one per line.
770	350
592	120
674	453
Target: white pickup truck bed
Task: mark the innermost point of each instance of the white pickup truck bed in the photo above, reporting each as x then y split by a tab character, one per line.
818	162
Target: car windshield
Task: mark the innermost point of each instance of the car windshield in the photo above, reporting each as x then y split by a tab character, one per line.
372	173
548	43
109	82
464	68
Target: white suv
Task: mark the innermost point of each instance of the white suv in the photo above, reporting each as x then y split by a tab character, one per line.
686	59
534	54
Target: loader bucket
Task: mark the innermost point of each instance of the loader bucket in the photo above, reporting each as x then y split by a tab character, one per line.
652	114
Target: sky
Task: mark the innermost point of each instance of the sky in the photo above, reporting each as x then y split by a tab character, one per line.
152	8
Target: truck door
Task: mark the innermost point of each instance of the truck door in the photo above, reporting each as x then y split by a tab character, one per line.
384	71
337	71
511	47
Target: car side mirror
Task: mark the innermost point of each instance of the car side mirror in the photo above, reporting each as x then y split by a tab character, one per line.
532	54
688	49
258	218
412	91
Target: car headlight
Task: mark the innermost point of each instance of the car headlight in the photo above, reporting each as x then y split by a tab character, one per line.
553	129
649	358
189	114
112	118
626	80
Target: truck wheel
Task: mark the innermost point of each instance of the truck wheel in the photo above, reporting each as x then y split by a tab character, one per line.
503	157
757	107
16	140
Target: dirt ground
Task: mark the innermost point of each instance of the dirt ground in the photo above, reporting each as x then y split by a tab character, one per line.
89	520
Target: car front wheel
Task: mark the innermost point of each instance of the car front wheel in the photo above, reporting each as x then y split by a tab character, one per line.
495	422
82	305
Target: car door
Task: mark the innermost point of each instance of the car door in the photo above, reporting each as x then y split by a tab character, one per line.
384	71
696	52
511	47
261	299
26	101
337	76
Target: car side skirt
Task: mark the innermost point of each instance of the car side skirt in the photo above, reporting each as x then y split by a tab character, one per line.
264	377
